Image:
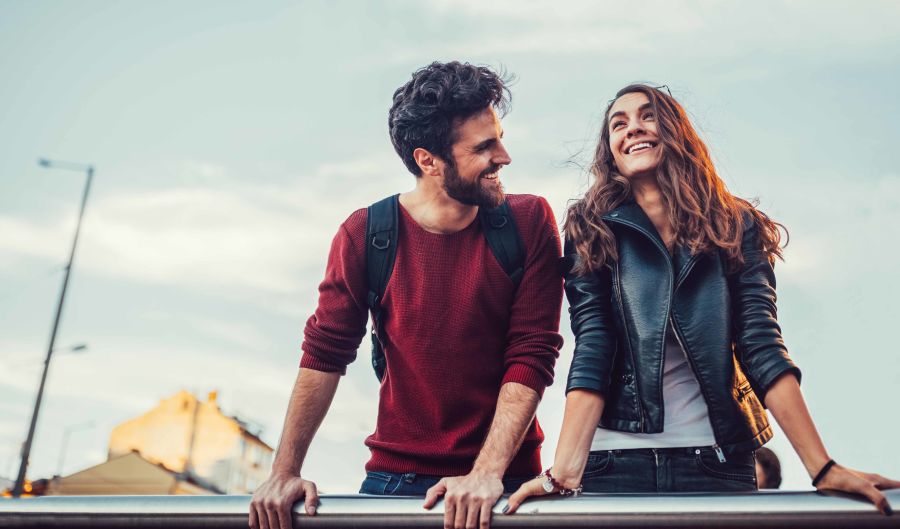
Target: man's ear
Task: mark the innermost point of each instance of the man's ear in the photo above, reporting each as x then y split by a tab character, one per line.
430	164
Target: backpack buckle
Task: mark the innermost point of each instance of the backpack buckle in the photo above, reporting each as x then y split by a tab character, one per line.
382	244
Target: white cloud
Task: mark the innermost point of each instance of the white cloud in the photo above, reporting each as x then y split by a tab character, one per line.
239	235
837	228
719	35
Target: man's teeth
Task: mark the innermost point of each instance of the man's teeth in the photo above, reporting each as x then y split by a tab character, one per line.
639	147
492	176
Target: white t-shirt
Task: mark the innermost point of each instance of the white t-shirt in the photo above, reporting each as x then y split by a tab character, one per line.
685	414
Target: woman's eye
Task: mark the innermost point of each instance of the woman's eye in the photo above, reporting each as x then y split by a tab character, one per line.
650	116
617	124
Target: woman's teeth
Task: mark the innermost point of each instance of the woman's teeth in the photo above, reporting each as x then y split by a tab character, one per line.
639	147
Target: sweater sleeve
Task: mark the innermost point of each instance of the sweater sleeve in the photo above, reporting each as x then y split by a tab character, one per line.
533	339
333	333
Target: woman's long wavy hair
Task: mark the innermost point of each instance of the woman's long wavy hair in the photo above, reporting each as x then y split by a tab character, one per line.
704	215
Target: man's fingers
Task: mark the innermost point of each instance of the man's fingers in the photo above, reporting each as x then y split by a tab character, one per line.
254	520
281	517
459	521
435	492
484	521
449	514
266	518
312	498
473	513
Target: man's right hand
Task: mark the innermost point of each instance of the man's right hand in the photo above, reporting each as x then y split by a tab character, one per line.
272	503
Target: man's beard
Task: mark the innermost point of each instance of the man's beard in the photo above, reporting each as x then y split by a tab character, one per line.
473	193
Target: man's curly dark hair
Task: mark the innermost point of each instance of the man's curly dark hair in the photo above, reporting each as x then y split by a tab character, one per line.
439	96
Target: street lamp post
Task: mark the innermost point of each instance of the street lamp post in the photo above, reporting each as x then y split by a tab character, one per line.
19	486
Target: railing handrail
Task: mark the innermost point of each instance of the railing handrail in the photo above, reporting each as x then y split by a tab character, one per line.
762	509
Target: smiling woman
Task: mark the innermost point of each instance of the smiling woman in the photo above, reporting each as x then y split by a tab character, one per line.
678	351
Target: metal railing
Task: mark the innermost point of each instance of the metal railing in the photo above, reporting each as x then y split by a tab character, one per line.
756	510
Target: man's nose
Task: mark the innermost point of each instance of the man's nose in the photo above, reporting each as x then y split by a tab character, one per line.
501	157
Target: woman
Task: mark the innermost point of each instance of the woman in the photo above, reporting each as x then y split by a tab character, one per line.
678	350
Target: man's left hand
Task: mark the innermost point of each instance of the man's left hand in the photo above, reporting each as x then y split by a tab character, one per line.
468	500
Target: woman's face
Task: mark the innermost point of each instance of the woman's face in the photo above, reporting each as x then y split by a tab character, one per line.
633	136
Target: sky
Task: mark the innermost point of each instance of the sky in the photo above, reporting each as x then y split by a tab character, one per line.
231	139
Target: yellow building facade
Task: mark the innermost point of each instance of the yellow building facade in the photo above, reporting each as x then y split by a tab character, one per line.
192	437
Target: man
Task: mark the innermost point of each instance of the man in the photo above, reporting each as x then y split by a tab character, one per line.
468	350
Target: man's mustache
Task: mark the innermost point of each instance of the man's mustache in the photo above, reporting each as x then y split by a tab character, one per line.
489	170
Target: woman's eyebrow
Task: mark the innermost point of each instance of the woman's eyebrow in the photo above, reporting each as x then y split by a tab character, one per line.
621	113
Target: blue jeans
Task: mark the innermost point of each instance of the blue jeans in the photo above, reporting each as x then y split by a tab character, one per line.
412	484
668	470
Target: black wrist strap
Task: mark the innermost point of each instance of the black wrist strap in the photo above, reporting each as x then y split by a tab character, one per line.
822	472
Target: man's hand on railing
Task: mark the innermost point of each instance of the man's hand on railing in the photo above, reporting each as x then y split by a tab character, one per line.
468	500
869	485
272	503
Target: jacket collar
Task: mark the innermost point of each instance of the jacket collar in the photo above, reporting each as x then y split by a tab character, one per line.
630	214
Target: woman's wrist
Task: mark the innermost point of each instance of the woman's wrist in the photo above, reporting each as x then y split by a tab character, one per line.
552	484
567	477
568	482
815	464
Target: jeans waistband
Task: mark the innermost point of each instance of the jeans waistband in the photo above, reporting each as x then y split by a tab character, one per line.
680	451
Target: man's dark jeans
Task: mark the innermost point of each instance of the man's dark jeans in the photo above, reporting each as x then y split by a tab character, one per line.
668	470
412	484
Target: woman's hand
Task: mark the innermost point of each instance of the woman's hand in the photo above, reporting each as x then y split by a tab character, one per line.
583	411
528	489
869	485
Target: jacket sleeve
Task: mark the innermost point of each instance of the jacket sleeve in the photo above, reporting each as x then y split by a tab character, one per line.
759	347
590	311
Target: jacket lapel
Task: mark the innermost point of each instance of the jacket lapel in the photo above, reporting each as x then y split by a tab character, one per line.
630	214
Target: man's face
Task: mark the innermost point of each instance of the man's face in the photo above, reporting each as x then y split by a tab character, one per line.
472	176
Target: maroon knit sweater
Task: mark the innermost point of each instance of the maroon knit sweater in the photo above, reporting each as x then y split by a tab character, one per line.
456	330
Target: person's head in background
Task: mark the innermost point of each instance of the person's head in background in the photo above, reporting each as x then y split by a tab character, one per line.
768	469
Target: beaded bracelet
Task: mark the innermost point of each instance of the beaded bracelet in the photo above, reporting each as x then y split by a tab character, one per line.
821	474
550	484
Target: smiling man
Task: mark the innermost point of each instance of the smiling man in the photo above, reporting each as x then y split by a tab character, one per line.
462	283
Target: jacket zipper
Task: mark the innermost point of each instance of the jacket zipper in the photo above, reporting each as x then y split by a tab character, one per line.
715	446
637	393
719	453
665	252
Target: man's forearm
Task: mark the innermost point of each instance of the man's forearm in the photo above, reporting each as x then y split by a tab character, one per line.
310	399
516	406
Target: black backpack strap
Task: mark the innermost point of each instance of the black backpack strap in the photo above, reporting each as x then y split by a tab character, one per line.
502	236
381	250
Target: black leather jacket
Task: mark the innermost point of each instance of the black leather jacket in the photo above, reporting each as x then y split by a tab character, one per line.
726	324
